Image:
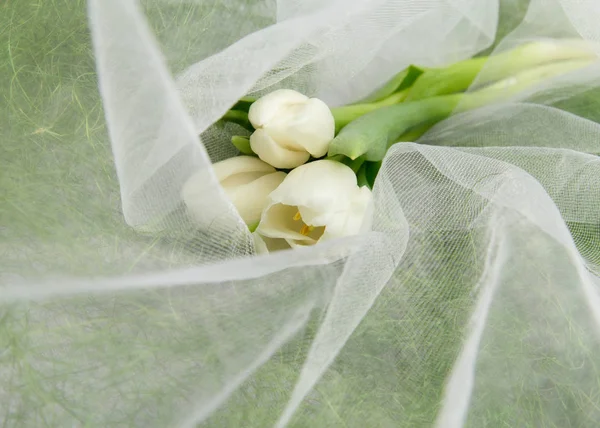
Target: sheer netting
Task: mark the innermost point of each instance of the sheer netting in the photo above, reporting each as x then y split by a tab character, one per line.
472	302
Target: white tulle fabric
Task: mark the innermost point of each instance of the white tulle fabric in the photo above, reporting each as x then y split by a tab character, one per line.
472	302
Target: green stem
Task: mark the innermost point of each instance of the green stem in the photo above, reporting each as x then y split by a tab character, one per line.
372	134
454	78
413	134
346	114
460	76
522	81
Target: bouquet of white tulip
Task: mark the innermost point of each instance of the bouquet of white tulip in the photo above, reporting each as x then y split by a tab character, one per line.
429	168
330	197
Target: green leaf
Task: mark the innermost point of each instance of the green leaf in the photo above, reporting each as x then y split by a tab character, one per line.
371	171
354	164
361	176
371	135
414	133
394	92
244	104
337	158
459	76
442	81
367	174
242	144
239	117
399	82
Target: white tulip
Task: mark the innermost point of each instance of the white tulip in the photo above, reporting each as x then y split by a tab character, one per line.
290	127
247	182
317	201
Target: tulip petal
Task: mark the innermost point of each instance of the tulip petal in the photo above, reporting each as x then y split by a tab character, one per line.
325	218
277	221
263	110
271	152
264	245
317	201
259	244
237	180
364	203
356	219
250	199
299	244
308	126
240	164
317	187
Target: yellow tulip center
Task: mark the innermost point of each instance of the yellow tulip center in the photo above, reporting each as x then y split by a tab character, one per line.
306	229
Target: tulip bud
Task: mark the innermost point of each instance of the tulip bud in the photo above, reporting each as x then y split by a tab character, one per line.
290	127
247	182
